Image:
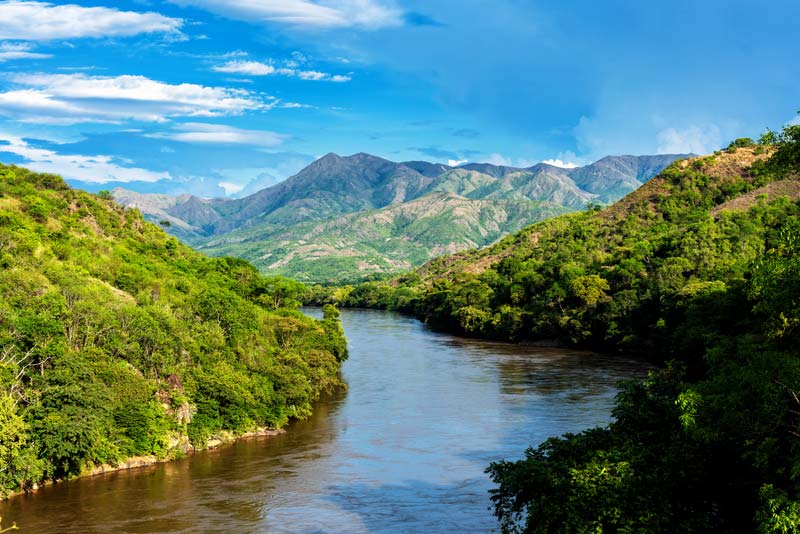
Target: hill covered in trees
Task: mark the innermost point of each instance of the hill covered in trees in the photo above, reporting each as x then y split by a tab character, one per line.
117	341
699	269
347	219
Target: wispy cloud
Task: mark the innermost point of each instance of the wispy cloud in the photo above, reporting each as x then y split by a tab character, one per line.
196	132
466	133
693	139
438	153
295	105
368	14
97	169
77	98
257	68
499	159
11	51
251	68
43	21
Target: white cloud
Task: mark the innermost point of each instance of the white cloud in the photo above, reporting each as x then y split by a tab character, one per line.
695	139
10	51
456	162
369	14
97	169
522	163
77	98
257	68
43	21
311	75
196	132
558	163
230	187
499	159
252	68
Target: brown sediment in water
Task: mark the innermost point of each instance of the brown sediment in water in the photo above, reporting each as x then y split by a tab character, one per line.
136	462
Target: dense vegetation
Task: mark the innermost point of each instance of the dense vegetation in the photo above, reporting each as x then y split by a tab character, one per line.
613	279
700	269
118	341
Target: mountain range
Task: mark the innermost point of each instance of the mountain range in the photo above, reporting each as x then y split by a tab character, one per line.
348	218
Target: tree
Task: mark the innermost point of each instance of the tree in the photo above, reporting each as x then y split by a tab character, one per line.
590	289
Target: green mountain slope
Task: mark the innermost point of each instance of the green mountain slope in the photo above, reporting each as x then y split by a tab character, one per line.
276	228
699	270
599	278
388	240
116	340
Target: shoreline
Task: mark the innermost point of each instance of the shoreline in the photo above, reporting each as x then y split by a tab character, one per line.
137	462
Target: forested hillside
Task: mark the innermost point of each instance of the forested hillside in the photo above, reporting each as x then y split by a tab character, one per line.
118	341
611	279
699	269
348	219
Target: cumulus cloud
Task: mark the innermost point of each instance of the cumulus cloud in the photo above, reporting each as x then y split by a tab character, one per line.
78	98
368	14
43	21
96	169
456	162
196	132
251	68
11	51
558	163
694	139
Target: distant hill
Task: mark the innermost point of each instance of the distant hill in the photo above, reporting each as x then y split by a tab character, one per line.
391	239
337	219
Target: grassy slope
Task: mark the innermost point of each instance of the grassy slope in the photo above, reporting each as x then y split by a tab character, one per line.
384	241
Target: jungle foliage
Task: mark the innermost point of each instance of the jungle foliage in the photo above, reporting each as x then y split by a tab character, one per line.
699	270
118	341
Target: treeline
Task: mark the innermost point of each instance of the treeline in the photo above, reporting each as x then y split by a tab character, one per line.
118	341
699	269
617	279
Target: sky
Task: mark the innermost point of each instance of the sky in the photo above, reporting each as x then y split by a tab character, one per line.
225	97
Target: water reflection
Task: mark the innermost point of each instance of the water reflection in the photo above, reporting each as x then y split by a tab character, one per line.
403	451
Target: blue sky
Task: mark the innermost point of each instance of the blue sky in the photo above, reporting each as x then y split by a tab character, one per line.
222	97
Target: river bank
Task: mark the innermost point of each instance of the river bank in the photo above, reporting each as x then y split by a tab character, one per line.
404	448
177	452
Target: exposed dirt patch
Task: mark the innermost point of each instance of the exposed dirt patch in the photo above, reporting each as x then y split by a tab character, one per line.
782	188
725	166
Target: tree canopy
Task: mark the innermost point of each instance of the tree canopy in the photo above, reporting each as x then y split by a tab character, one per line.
116	340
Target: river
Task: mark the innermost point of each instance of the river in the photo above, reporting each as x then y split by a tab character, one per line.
403	450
